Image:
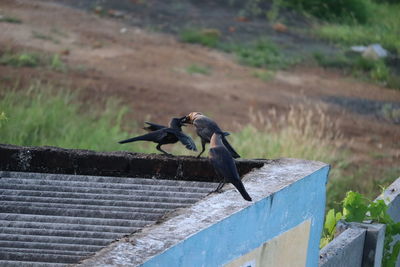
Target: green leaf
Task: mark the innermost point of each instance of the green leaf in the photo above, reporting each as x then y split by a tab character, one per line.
330	221
377	210
354	207
339	216
324	241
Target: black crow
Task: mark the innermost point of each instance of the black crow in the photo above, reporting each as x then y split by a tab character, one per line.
163	135
205	127
224	164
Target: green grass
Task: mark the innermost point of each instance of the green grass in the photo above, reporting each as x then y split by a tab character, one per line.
32	59
9	19
23	59
372	70
206	37
42	115
262	53
200	69
383	28
265	75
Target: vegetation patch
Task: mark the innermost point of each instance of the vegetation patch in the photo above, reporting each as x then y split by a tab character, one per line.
360	67
24	59
265	75
32	59
9	19
206	37
42	115
261	54
357	208
383	28
198	69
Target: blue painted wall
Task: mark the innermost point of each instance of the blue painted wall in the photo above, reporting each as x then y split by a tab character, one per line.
251	227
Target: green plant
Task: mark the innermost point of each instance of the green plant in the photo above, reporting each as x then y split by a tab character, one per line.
10	19
41	115
194	68
206	37
265	75
339	10
3	117
24	59
329	230
261	54
357	208
375	70
29	59
56	63
331	10
383	28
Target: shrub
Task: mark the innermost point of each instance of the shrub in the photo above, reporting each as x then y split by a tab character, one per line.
261	53
206	37
20	60
335	10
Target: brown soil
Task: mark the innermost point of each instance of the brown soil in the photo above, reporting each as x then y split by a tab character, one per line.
147	71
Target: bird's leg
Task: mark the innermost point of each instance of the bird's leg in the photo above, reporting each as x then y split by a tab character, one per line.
203	147
219	187
158	147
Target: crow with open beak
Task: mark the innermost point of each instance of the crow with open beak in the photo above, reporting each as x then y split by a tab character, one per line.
205	128
163	135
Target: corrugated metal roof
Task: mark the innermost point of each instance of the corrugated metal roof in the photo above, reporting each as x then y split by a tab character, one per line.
55	219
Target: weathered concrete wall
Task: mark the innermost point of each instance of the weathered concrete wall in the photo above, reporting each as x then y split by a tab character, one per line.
346	250
86	162
220	228
392	198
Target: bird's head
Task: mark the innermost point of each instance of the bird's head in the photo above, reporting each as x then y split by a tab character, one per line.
177	122
191	117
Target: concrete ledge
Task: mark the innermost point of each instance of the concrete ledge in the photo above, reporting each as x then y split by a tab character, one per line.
121	164
346	250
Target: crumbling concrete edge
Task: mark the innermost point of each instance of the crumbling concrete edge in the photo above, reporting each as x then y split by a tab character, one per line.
344	250
122	164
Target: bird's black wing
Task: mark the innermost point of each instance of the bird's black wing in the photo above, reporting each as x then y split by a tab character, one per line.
205	127
153	126
223	163
225	166
155	136
228	146
186	140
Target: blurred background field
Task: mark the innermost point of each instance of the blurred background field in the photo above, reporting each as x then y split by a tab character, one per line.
279	75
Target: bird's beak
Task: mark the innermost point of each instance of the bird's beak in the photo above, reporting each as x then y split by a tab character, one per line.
185	119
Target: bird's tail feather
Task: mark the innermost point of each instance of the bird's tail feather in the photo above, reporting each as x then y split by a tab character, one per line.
234	154
240	187
138	138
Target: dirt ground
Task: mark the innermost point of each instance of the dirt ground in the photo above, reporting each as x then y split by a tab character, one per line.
147	71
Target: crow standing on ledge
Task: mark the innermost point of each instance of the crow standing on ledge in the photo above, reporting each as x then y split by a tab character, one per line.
205	127
224	165
163	135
